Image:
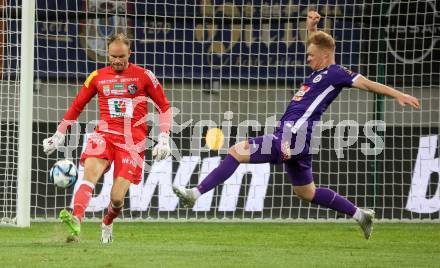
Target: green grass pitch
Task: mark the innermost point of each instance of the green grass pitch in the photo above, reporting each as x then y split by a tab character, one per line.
224	245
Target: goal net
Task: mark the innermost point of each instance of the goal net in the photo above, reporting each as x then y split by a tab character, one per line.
236	65
16	45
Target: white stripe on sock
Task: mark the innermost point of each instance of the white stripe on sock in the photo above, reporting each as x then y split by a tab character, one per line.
91	185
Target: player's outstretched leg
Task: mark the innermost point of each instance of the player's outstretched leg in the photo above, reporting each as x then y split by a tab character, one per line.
365	218
330	199
80	202
187	196
73	225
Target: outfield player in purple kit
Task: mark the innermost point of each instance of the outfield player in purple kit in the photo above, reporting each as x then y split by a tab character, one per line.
289	144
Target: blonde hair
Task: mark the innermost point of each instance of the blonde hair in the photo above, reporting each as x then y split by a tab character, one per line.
322	40
118	37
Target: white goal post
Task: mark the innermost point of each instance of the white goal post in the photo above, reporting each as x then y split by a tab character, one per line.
17	105
234	66
24	167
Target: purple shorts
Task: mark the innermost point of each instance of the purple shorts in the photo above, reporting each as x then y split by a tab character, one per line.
270	149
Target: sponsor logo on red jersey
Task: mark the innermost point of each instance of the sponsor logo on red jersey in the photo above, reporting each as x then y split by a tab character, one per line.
107	81
120	106
129	161
129	79
152	78
132	88
118	89
106	90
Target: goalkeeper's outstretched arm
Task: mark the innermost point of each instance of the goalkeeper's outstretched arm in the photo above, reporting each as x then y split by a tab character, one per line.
87	91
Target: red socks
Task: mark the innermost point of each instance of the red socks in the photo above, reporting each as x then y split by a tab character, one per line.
82	199
112	213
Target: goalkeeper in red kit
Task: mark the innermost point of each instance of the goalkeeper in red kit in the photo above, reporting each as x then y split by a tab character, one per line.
119	137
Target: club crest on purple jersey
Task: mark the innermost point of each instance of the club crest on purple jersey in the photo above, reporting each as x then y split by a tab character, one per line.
317	78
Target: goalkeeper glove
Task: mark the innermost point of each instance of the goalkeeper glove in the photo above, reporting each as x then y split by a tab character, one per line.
52	143
162	149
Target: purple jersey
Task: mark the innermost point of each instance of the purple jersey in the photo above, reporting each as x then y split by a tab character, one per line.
306	107
315	95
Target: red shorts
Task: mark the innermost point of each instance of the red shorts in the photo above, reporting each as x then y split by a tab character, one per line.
128	163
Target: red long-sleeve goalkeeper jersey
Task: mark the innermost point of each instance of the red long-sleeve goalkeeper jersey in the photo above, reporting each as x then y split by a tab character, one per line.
122	101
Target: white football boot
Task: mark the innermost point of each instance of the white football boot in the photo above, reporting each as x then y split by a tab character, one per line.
106	233
187	196
366	222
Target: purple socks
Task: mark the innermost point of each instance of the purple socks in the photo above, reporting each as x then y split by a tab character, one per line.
330	199
219	174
